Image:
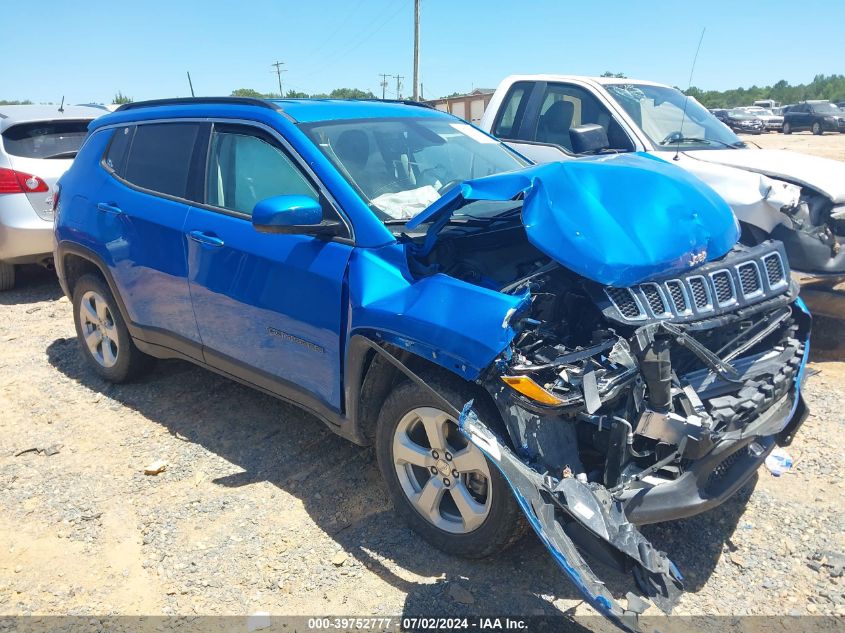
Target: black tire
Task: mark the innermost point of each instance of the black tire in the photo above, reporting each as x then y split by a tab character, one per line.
504	523
7	276
818	130
787	129
129	361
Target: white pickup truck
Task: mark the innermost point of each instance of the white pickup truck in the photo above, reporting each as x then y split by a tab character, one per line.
795	198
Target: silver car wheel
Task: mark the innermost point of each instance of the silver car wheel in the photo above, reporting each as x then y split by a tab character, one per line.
99	332
445	477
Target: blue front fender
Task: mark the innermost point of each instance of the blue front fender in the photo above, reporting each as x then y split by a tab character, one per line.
455	324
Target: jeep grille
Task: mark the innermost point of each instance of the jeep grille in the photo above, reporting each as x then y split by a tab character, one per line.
736	280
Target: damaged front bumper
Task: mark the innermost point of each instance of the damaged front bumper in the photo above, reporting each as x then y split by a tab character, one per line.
711	480
570	516
679	456
562	511
811	258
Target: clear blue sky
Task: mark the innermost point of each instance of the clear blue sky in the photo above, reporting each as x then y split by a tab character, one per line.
88	50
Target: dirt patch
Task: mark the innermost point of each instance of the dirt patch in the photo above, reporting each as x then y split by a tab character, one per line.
828	145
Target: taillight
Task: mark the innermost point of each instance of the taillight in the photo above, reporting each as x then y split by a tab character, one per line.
12	181
9	182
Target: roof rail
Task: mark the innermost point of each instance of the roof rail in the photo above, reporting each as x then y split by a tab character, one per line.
410	102
261	103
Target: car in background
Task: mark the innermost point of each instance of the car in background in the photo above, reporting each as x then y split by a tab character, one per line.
776	194
740	121
771	120
817	116
37	145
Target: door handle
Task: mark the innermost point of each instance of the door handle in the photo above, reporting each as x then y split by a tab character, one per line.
208	239
109	208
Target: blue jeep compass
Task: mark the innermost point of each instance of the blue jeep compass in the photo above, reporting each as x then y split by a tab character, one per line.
577	347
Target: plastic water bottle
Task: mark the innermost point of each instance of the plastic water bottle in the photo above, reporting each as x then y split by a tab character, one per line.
778	462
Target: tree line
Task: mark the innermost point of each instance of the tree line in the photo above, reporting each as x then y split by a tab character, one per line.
337	93
831	87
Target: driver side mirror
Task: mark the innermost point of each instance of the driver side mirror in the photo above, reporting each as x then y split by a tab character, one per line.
589	138
292	215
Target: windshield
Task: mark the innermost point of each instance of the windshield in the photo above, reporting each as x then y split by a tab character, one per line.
659	111
45	139
401	166
826	108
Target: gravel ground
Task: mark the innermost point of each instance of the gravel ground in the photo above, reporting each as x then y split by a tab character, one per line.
262	509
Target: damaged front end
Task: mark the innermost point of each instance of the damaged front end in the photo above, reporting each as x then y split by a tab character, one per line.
794	198
648	403
642	390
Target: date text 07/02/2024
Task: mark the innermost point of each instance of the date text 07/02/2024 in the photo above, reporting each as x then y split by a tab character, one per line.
418	624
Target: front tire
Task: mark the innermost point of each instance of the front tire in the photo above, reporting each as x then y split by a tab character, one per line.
7	276
787	129
104	339
818	130
440	484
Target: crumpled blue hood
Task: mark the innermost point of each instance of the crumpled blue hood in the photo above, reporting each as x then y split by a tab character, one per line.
618	220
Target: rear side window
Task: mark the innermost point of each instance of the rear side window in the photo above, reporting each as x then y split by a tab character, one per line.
160	157
45	139
119	150
513	107
245	168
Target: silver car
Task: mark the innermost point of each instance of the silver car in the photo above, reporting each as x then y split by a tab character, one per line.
37	145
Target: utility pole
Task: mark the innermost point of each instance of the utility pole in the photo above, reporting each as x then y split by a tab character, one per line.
398	79
383	85
190	83
279	72
416	50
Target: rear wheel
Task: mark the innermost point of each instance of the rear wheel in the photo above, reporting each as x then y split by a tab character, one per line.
818	130
7	276
103	337
441	484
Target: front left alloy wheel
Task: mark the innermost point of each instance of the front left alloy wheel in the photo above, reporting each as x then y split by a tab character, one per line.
440	483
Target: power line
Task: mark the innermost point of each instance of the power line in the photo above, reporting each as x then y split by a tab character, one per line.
331	37
359	38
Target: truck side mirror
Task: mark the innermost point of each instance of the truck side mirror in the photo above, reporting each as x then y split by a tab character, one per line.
588	138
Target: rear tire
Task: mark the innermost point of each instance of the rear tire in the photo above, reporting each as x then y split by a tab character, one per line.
7	276
818	130
104	339
474	515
